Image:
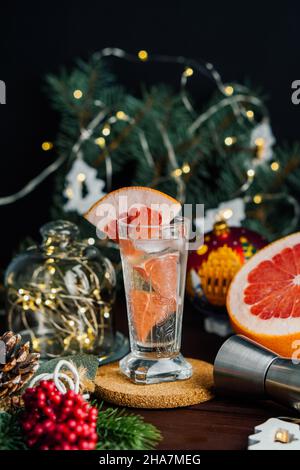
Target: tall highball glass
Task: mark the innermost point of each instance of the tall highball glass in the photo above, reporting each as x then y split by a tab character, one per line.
154	261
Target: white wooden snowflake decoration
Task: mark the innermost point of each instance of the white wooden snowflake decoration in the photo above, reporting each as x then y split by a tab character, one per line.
80	175
262	139
232	211
264	436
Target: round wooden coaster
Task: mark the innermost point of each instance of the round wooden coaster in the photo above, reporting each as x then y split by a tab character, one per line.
114	387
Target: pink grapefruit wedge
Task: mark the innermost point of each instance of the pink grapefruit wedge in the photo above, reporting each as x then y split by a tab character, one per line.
162	274
129	202
148	310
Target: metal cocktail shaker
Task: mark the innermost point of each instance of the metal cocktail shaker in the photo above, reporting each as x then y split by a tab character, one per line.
245	367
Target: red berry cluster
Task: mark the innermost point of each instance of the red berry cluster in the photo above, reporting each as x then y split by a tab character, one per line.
56	421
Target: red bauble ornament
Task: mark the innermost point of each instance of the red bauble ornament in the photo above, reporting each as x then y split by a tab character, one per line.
212	267
56	421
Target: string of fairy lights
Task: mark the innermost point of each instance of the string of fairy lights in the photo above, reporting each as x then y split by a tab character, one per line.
235	96
189	68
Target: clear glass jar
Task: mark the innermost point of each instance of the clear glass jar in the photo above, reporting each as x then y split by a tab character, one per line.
60	294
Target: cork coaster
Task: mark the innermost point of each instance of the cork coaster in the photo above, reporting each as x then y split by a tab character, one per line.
115	388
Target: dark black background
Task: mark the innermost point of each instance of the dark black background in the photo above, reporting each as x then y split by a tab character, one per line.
249	39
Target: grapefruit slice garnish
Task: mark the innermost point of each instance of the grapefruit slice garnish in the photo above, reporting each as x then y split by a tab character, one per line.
131	203
161	273
148	309
264	298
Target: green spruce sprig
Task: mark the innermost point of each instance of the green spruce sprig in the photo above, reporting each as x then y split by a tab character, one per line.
11	437
119	430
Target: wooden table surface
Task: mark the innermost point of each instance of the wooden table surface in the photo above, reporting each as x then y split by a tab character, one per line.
220	424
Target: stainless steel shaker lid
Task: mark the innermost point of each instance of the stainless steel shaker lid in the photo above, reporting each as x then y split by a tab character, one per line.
241	366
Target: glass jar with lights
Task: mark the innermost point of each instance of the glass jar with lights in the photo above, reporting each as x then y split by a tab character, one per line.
60	294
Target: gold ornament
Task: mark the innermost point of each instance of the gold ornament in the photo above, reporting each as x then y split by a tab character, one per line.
217	272
212	267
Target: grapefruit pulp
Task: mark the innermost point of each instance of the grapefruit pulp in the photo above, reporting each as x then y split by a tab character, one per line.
161	274
123	202
263	301
148	310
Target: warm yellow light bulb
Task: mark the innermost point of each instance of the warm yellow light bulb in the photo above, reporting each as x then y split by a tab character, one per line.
257	199
69	193
35	344
121	115
227	213
47	146
275	166
229	141
259	142
77	94
106	130
229	90
81	177
91	241
186	168
143	55
250	114
250	173
100	141
177	172
188	72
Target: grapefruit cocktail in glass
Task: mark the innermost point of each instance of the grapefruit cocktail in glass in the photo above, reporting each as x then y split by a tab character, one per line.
153	241
154	261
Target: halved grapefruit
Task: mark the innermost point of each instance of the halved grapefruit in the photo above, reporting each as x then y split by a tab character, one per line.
263	300
129	202
148	310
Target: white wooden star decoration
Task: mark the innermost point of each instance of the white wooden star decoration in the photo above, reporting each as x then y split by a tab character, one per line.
264	436
82	174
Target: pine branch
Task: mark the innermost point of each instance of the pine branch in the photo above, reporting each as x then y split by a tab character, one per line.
217	171
124	133
292	165
118	430
11	437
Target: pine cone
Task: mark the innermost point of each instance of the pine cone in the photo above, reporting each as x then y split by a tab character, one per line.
11	404
19	366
